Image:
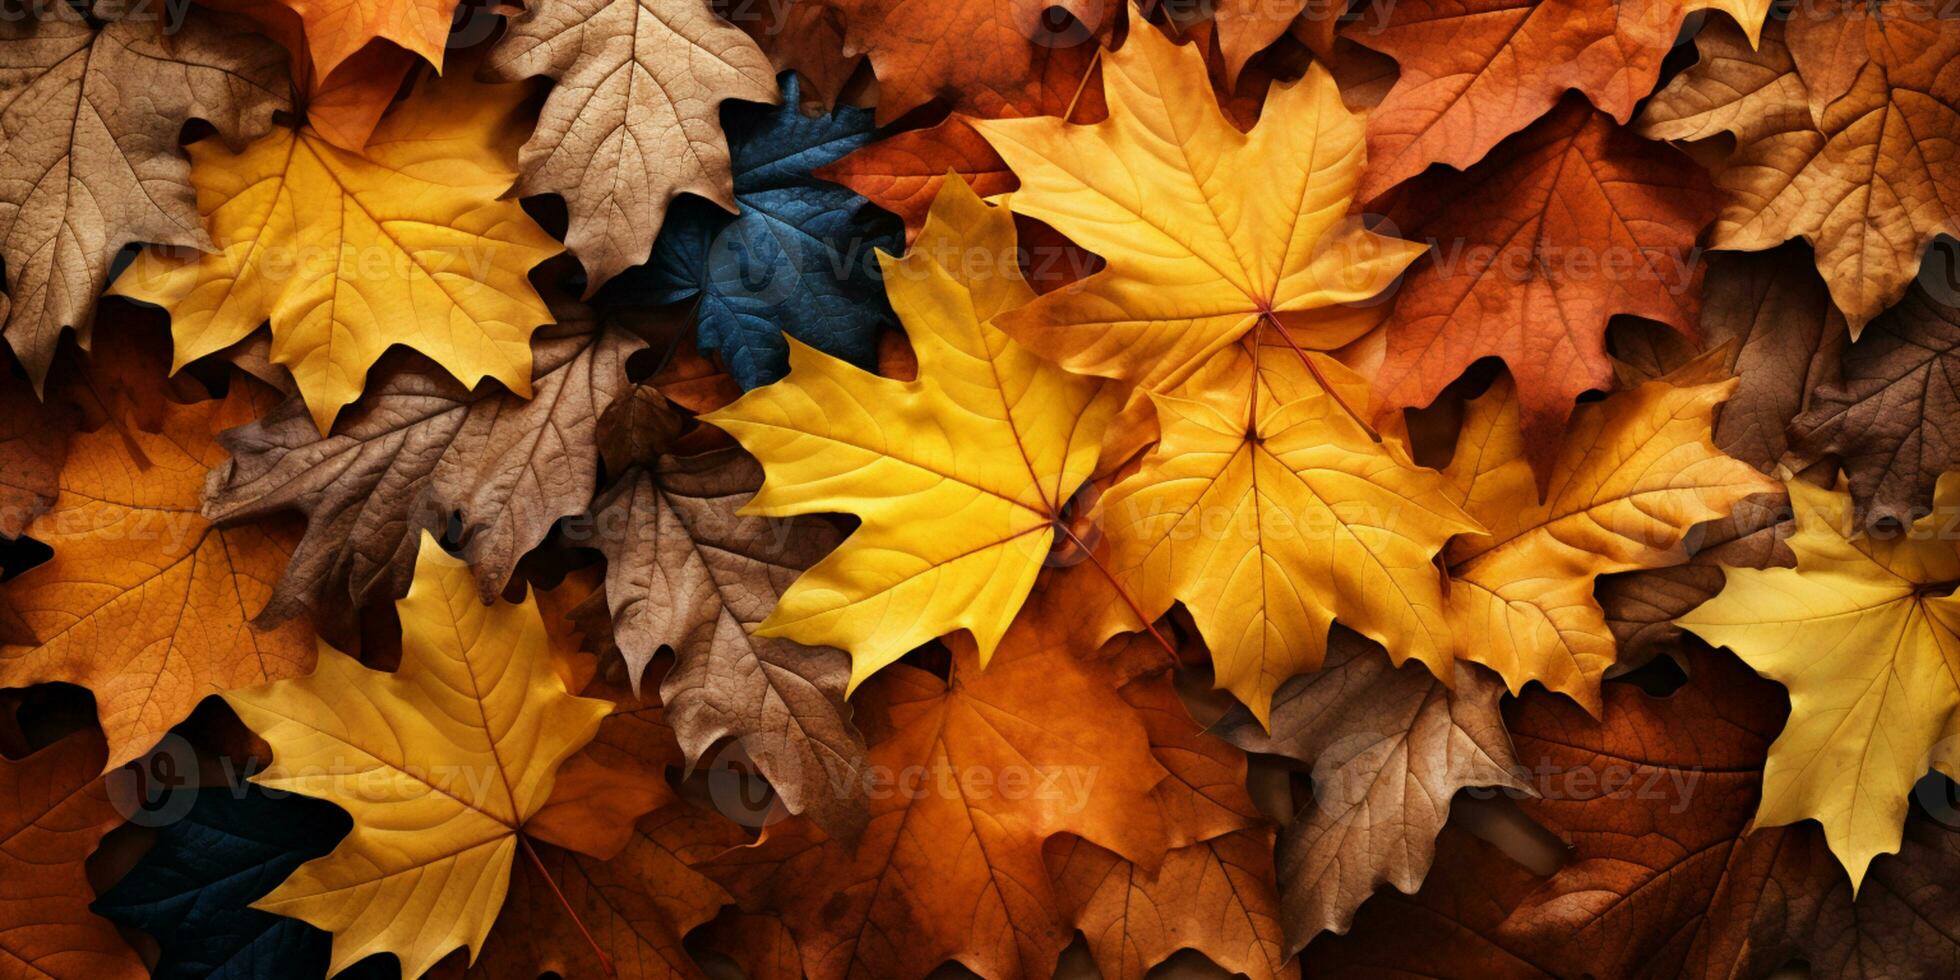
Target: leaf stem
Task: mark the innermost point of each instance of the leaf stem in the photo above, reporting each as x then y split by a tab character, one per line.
1169	650
1083	85
604	961
1320	378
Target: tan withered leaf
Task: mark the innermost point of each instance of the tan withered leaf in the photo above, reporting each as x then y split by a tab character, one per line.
87	165
146	602
635	117
416	448
1389	747
1561	228
966	779
1844	121
1476	71
685	570
54	809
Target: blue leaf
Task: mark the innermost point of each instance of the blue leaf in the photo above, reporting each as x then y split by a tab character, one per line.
799	259
194	888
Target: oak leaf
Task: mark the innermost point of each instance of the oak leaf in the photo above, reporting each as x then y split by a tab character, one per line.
1476	71
1208	231
961	475
1268	510
634	118
972	775
1889	415
1633	477
417	449
1841	121
146	602
1865	633
1559	229
440	764
796	257
1389	748
686	571
54	809
348	253
87	167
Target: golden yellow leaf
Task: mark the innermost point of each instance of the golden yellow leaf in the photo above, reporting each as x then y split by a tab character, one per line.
439	763
1865	632
1206	229
146	603
1635	474
349	253
1271	513
959	475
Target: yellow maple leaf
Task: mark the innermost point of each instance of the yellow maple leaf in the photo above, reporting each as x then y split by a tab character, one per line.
1207	230
1271	513
346	253
960	475
145	602
1635	474
1865	632
440	764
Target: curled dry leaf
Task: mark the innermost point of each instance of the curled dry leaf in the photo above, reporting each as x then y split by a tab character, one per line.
101	107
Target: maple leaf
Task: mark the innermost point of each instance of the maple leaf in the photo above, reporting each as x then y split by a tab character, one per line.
349	253
54	809
1634	476
193	888
795	258
86	170
1136	918
440	764
686	571
344	104
1476	71
1866	635
1208	231
146	601
632	122
961	474
336	30
1271	513
806	38
33	444
417	449
1840	121
1389	748
1888	414
947	869
972	55
1537	246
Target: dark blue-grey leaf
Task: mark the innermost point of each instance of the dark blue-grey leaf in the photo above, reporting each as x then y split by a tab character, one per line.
799	259
194	889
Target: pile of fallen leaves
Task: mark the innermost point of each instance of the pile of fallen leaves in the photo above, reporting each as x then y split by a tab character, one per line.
860	488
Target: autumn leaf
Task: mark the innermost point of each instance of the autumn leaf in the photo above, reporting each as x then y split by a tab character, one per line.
1634	476
1560	228
345	103
54	809
1841	122
440	764
33	444
1208	231
688	572
806	38
146	602
1889	414
1389	747
961	474
419	448
640	83
193	889
67	112
972	55
973	774
1866	636
1474	72
1271	513
349	253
